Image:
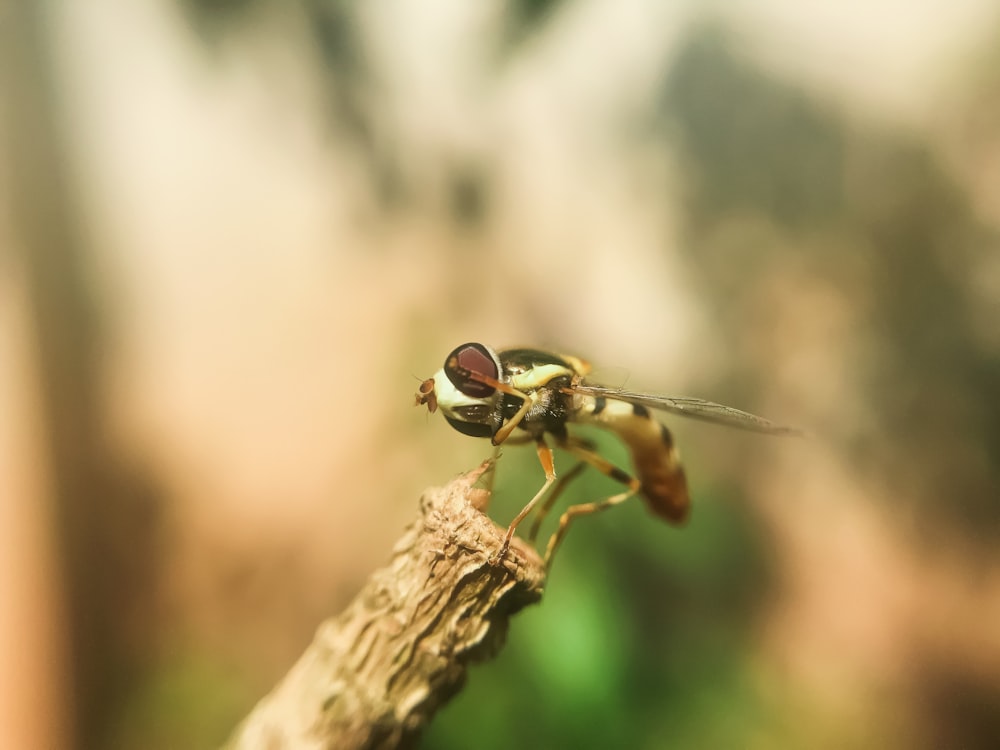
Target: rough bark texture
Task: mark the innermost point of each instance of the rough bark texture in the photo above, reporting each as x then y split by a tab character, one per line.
374	675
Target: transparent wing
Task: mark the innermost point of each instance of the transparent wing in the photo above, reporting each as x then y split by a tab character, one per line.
694	408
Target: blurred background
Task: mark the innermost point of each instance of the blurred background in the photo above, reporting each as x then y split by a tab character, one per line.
235	234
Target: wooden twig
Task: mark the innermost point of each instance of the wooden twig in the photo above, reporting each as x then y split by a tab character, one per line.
375	675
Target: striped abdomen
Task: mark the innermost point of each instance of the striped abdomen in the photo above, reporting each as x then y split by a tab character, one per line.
657	462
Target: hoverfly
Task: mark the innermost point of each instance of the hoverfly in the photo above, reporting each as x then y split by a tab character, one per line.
486	393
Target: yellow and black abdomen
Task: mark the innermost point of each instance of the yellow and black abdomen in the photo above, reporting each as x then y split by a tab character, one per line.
657	463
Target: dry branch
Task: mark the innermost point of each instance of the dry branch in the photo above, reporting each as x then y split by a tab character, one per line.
375	675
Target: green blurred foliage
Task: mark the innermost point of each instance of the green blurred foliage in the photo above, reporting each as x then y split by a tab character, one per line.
186	702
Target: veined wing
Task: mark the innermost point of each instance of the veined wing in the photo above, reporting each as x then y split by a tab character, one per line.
694	408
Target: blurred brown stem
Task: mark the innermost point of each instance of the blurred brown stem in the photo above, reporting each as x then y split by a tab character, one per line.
375	675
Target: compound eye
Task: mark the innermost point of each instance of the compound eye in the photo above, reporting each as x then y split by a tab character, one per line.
469	359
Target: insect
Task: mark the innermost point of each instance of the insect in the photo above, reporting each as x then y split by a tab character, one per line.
490	394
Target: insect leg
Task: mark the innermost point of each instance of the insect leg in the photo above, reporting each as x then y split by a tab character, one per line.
608	469
489	481
548	465
519	439
497	452
564	480
504	432
526	401
567	443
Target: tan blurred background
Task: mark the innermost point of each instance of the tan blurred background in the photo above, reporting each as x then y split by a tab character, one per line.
235	235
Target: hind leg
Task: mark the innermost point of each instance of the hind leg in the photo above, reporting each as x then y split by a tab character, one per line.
548	466
561	485
583	509
567	443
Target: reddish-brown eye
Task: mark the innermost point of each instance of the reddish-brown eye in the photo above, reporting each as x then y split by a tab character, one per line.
469	360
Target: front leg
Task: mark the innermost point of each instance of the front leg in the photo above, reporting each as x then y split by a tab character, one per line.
548	466
527	400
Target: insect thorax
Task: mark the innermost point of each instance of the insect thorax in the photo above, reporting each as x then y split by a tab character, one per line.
549	413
